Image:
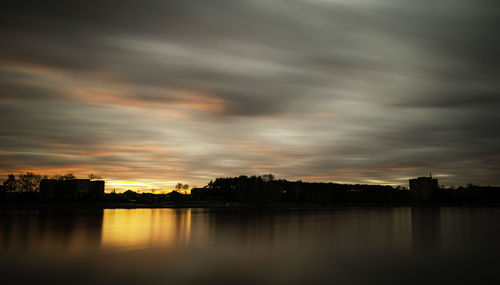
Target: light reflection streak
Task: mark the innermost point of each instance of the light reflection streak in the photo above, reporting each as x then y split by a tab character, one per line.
125	229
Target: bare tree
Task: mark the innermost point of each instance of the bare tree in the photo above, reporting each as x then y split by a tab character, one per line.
29	182
67	176
92	176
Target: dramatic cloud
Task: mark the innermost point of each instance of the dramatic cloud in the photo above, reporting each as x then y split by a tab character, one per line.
150	93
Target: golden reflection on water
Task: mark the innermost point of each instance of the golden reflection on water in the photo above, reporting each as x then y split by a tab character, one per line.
401	229
254	246
141	228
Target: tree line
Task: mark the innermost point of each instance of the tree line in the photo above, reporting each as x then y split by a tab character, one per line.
266	189
30	182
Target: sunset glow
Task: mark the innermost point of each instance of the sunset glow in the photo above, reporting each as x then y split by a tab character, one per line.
264	142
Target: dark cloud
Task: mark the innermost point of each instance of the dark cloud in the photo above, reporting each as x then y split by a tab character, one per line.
357	91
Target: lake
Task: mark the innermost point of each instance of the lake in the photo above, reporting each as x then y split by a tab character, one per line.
345	245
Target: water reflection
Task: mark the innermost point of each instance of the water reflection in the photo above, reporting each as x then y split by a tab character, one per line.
426	229
142	228
216	246
402	229
342	230
67	230
399	229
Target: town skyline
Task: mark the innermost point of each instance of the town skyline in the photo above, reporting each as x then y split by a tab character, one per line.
249	142
180	186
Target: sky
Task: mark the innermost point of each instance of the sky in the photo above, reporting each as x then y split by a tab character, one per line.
150	93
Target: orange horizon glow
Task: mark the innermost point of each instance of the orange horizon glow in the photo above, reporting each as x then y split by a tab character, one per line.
166	186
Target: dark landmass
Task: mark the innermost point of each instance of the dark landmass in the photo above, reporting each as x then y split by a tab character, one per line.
244	191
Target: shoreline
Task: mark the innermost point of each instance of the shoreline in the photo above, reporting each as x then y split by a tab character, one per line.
224	205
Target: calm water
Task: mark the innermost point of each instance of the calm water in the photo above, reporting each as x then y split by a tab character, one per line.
399	245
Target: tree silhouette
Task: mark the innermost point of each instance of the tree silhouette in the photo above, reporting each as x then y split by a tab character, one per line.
268	177
92	176
29	182
179	186
67	176
11	184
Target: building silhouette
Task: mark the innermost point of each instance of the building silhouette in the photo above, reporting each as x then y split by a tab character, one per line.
424	189
72	189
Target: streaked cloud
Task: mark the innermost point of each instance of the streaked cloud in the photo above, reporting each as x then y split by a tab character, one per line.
164	91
